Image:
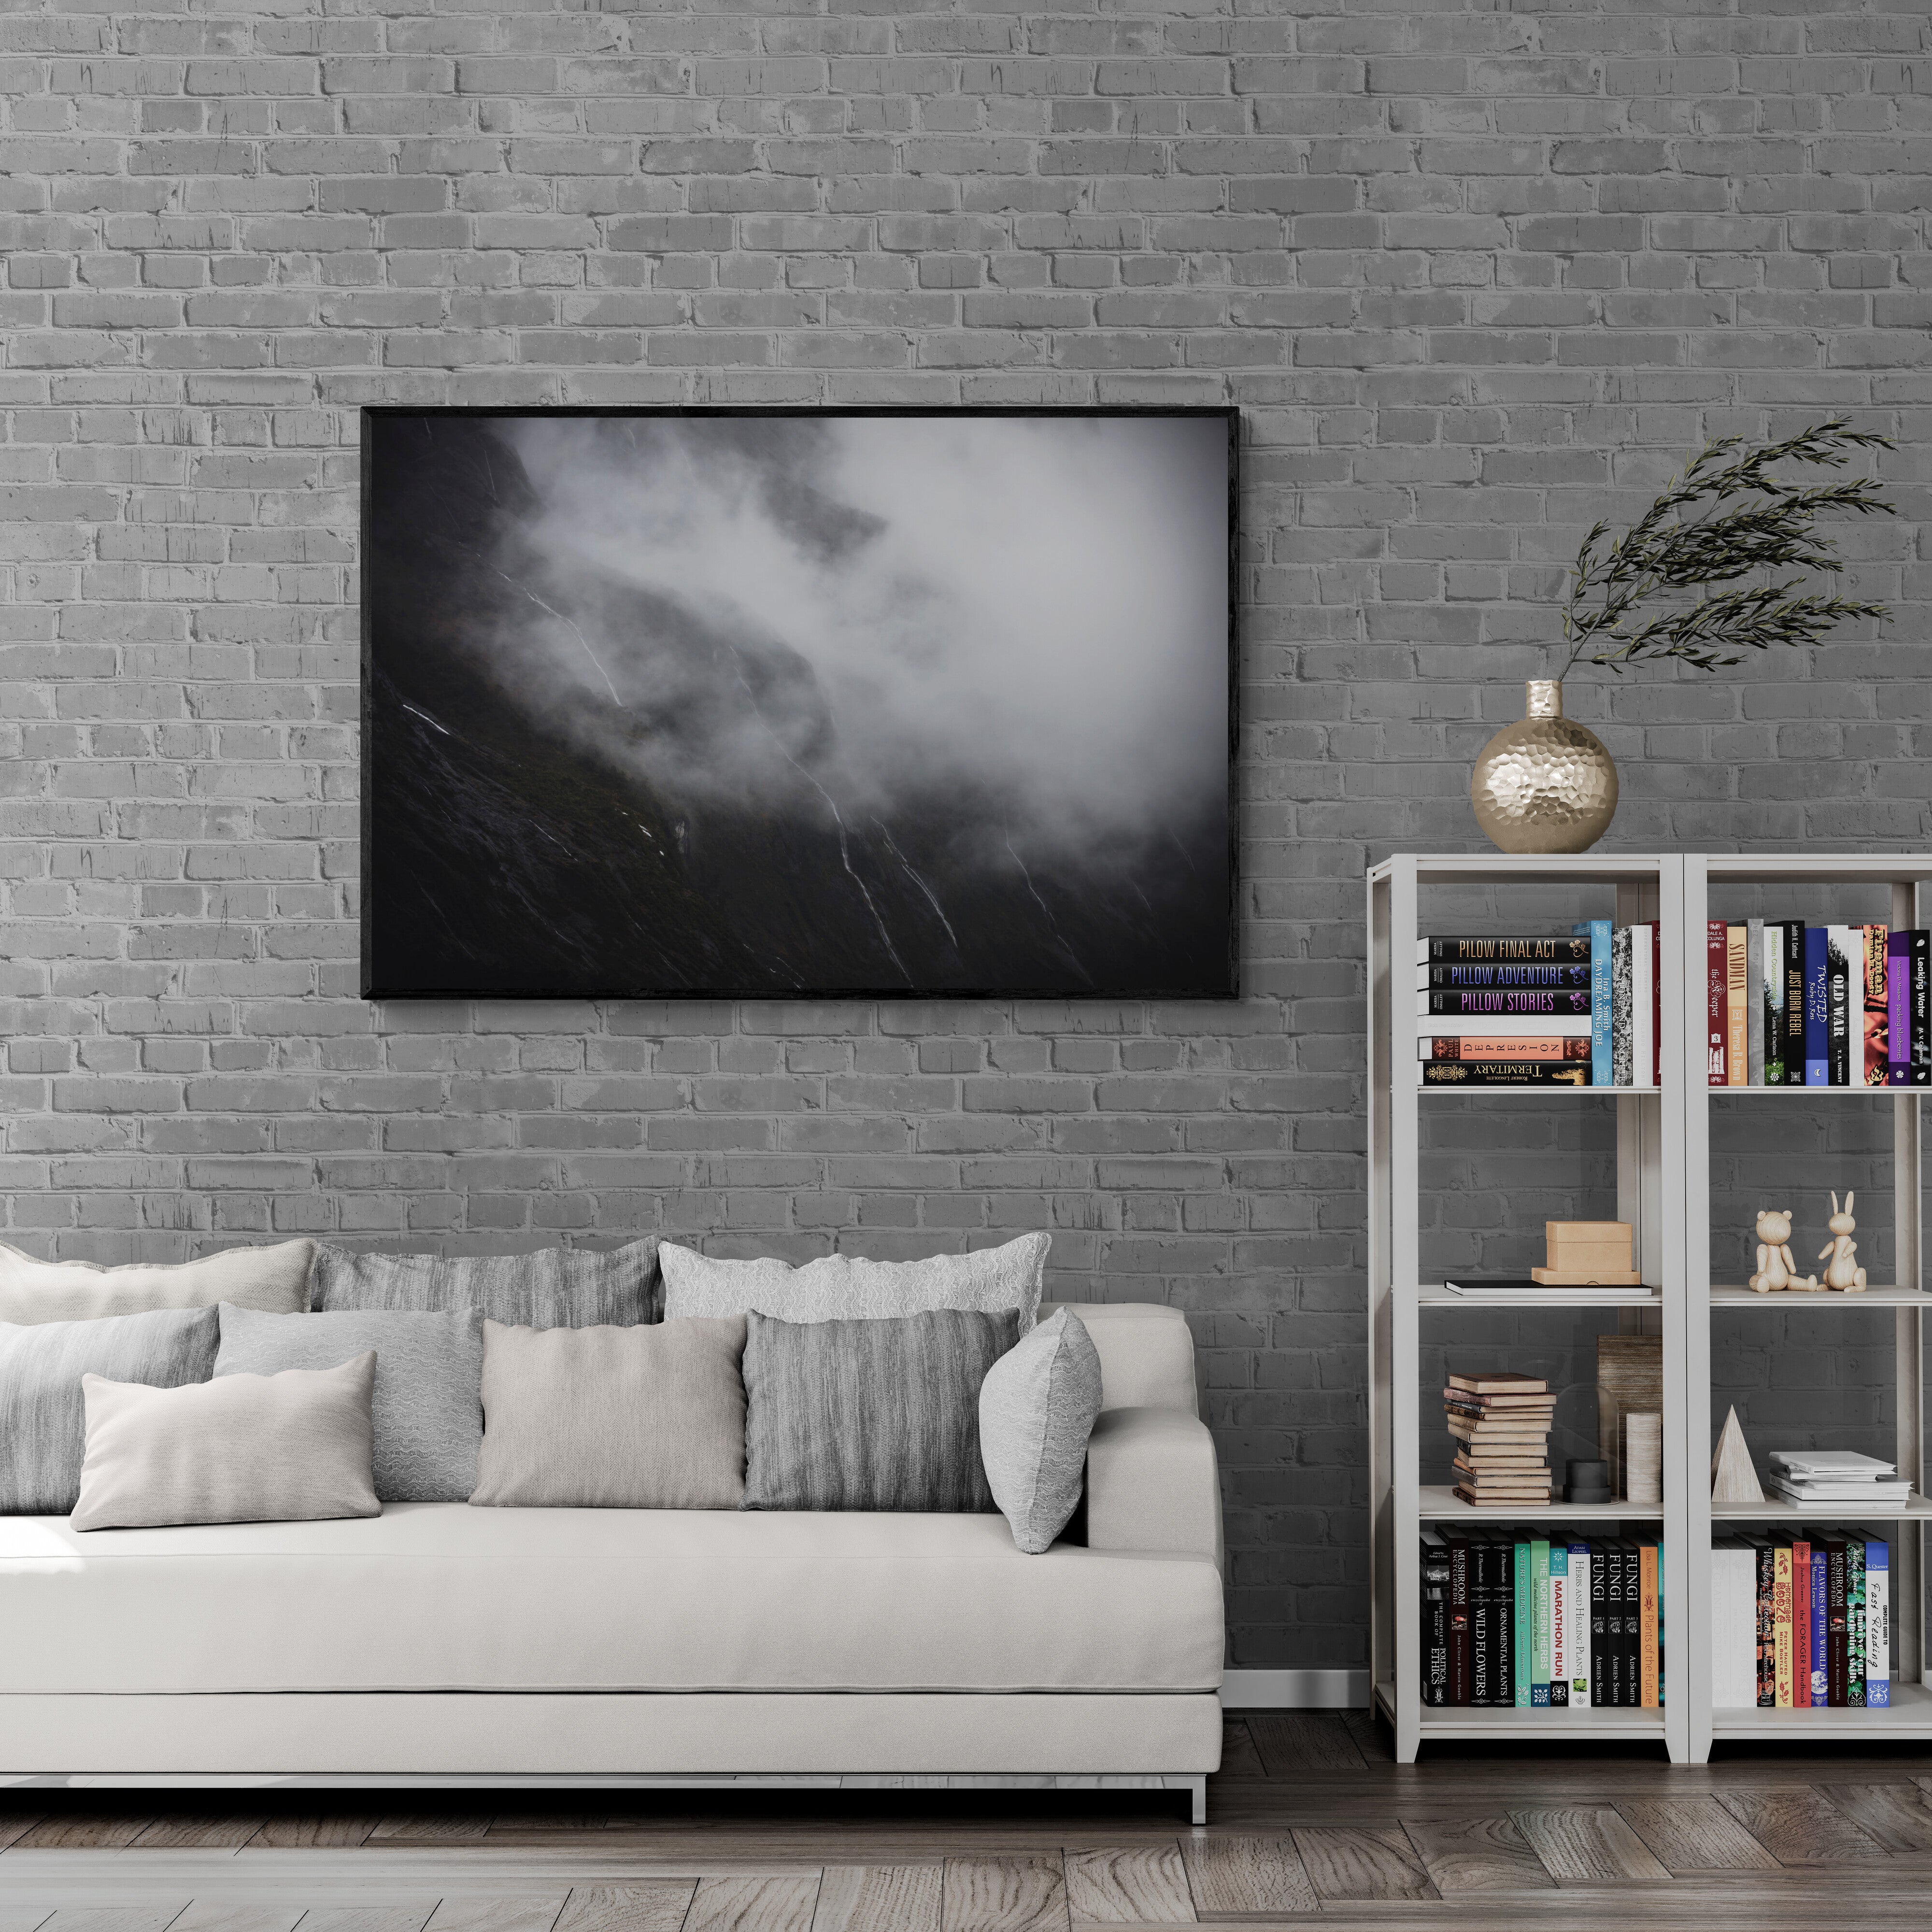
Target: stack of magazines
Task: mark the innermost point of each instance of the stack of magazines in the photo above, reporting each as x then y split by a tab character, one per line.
1835	1476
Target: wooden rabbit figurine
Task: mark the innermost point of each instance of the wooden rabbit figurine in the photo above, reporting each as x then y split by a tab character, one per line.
1844	1274
1776	1270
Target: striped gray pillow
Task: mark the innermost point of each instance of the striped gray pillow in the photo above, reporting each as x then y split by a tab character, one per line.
42	1412
881	1414
555	1287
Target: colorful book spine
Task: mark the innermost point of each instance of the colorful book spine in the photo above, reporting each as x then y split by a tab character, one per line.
1656	1003
1855	1621
1772	983
1878	1625
1817	1007
1737	1036
1793	950
1844	953
1506	1004
1504	977
1490	1045
1873	1071
1820	1658
1539	1622
1921	1007
1505	1073
1540	948
1580	1608
1767	1627
1836	1645
1559	1560
1780	1626
1650	1649
1600	1690
1801	1625
1623	1008
1753	998
1898	1009
1520	1652
1716	965
1602	999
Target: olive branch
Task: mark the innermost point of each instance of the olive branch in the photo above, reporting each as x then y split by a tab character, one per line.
1688	538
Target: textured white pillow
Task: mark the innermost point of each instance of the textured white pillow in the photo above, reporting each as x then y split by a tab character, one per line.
846	1288
1037	1407
273	1280
289	1448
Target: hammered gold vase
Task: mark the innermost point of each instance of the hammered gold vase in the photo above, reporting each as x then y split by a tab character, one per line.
1544	784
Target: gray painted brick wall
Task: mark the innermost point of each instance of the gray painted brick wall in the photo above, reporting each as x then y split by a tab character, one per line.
1474	276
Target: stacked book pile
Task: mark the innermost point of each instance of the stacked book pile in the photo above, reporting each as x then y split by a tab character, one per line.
1793	1005
1835	1476
1581	1011
1801	1620
1533	1618
1500	1424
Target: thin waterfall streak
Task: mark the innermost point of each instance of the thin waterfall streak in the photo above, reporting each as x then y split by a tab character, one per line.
912	872
570	625
1053	924
838	818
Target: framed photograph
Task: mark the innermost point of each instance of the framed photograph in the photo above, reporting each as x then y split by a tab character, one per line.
758	703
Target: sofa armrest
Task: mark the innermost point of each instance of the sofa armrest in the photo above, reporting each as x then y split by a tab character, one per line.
1152	1483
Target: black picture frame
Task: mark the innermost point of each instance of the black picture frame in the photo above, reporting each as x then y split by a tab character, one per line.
374	987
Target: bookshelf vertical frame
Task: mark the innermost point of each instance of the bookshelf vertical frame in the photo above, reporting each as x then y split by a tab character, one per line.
1650	1123
1909	1717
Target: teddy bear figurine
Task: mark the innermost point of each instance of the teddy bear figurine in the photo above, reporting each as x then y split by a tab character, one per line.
1776	1270
1843	1275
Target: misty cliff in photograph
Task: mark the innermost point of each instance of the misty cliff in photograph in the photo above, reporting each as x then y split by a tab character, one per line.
774	706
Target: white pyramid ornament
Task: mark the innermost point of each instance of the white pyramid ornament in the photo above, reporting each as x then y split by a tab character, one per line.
1733	1480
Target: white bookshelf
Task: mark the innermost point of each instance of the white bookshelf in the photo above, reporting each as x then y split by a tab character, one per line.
1650	1196
1662	1188
1707	878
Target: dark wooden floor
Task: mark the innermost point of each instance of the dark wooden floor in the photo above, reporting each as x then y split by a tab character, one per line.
1312	1823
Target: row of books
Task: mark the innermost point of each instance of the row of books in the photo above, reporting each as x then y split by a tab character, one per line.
1583	1010
1513	1617
1500	1423
1801	1620
1792	1005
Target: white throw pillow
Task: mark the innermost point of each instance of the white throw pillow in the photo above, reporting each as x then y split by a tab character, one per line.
1037	1408
846	1288
291	1448
273	1280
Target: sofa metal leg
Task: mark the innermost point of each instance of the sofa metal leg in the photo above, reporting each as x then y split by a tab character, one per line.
1197	1788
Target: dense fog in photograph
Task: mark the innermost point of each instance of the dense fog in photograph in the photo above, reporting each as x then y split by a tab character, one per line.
778	706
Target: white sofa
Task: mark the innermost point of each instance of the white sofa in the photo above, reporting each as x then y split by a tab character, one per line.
445	1645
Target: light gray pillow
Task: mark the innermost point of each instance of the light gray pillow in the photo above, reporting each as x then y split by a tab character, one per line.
840	1288
282	1448
428	1405
42	1415
1037	1407
648	1417
555	1287
870	1415
275	1278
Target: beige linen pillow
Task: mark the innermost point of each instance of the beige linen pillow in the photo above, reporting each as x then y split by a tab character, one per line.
274	1279
284	1448
650	1417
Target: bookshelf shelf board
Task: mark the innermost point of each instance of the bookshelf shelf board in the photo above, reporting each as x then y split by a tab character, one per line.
1538	1090
1879	1295
1435	1504
1815	1093
1910	1711
1466	1720
1433	1295
1916	1508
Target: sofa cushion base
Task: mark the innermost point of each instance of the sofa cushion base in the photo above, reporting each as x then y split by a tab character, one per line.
480	1734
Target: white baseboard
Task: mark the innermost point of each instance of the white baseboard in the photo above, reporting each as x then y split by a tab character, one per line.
1294	1690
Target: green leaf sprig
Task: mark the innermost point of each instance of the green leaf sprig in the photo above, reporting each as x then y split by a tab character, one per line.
1688	538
